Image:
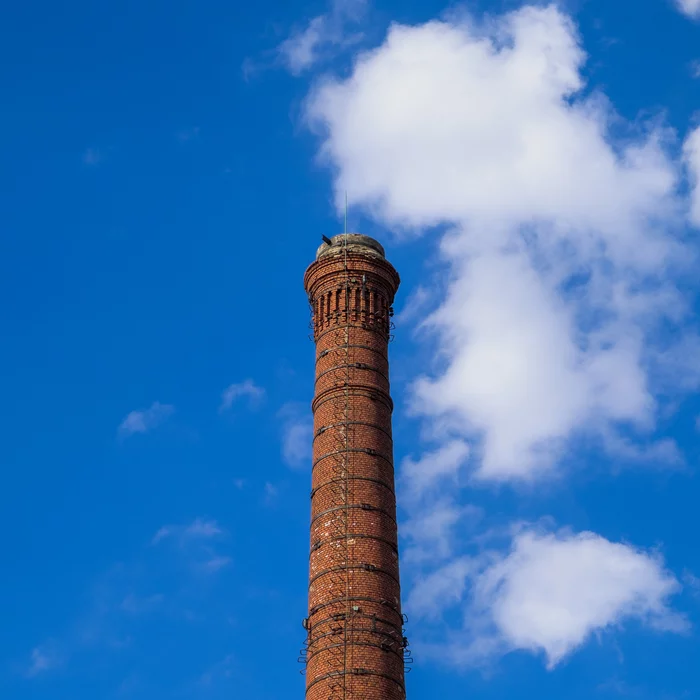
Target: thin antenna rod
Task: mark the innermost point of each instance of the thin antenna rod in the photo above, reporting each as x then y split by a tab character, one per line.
346	212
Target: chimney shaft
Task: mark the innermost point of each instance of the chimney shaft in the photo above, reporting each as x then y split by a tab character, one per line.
355	645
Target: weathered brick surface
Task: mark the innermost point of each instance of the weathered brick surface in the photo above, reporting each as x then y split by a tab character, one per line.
355	643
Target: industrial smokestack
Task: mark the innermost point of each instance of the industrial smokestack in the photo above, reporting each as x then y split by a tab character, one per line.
355	648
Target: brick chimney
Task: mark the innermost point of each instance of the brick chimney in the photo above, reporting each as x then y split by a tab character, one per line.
355	648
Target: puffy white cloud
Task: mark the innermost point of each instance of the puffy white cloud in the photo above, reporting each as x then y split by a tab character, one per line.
691	151
548	595
145	420
321	36
561	237
689	7
247	388
448	122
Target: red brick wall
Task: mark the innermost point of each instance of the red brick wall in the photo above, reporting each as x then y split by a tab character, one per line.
355	643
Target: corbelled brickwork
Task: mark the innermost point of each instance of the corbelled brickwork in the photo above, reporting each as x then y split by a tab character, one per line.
355	646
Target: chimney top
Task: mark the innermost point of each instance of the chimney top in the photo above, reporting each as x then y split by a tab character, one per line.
356	243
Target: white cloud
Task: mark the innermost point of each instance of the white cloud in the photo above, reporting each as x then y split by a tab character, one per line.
247	388
664	453
433	468
441	589
145	420
689	7
296	445
431	529
548	595
564	237
691	152
297	434
322	36
562	240
414	306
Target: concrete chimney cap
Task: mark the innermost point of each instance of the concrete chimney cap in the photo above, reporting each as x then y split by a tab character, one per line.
356	242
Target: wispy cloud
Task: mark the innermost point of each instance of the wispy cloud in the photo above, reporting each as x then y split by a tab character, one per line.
103	625
691	152
619	687
92	157
43	658
433	469
692	582
690	8
415	306
428	487
246	389
215	563
270	493
168	578
187	135
432	528
297	434
323	36
199	528
196	540
222	670
143	421
138	605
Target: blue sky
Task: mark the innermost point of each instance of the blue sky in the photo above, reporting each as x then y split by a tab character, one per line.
169	169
